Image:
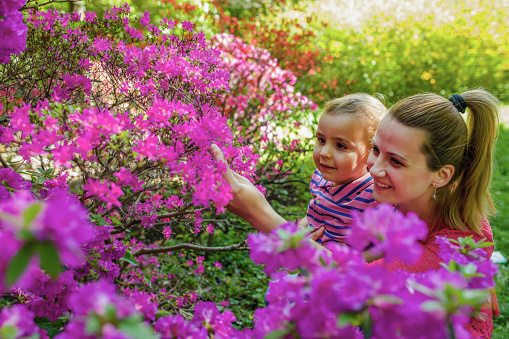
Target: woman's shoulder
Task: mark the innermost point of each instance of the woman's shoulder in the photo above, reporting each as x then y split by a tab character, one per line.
445	231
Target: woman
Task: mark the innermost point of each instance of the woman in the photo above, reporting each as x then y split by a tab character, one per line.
426	160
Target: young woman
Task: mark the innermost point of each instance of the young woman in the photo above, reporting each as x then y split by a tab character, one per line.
425	159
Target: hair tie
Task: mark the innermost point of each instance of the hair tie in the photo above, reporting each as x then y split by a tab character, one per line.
458	102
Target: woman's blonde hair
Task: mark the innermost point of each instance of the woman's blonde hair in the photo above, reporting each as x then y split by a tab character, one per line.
465	201
369	109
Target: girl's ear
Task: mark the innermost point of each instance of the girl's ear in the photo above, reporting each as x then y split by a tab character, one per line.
444	175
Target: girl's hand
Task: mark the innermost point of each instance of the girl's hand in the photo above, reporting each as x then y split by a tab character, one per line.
317	233
248	202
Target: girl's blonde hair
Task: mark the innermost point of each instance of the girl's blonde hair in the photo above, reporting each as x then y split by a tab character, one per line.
465	201
369	109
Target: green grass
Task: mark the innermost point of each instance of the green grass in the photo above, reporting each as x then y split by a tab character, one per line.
500	226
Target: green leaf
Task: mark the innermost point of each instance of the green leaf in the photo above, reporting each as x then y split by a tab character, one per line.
93	324
40	180
469	268
367	324
130	259
19	262
431	306
50	261
162	313
110	313
276	334
40	170
99	219
31	213
138	331
349	318
486	244
8	332
49	171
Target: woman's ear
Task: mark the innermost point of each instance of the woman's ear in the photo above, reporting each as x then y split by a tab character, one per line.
444	175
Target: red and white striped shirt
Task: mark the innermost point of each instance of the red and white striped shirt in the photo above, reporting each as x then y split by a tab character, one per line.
332	206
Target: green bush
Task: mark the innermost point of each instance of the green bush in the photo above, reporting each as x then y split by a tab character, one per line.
399	59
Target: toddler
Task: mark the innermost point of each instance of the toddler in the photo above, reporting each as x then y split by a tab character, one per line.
341	183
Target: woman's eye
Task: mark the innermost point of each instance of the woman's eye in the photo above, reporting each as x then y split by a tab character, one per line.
396	162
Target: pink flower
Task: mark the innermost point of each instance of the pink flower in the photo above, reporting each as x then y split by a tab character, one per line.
188	26
218	265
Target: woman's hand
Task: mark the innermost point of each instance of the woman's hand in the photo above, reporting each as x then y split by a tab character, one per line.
248	202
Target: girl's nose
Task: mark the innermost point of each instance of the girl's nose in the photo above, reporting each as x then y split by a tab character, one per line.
325	152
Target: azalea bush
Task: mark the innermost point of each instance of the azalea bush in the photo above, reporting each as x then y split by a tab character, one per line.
109	232
122	118
352	299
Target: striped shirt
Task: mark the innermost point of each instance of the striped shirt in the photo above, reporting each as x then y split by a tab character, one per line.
332	206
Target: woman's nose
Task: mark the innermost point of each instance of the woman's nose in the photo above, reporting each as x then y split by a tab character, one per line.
377	169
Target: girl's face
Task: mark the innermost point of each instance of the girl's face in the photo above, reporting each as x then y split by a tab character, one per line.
398	167
341	148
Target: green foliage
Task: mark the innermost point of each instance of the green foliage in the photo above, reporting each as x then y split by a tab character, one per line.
500	226
399	59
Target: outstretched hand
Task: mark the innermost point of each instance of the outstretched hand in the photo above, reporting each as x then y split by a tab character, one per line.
248	202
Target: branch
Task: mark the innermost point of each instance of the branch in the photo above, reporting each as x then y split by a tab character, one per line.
37	5
3	162
237	247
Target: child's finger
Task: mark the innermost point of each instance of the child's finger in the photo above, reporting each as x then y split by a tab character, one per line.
317	234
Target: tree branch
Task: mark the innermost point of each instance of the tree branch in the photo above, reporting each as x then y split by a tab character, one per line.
237	247
4	163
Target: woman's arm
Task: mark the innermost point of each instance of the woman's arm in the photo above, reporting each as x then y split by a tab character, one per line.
248	202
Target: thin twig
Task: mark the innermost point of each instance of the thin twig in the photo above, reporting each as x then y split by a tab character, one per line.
237	247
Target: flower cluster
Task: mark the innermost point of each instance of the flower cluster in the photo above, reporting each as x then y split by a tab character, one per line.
13	31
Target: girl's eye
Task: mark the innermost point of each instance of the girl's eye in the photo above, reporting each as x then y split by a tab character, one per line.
340	146
321	140
375	149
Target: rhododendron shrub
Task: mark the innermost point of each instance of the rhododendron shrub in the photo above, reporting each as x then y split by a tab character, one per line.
349	298
113	120
120	119
264	107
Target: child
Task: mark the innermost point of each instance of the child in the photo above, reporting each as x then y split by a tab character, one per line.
341	184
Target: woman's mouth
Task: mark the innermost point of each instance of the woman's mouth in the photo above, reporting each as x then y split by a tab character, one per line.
381	187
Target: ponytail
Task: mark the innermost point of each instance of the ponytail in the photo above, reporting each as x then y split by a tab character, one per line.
472	196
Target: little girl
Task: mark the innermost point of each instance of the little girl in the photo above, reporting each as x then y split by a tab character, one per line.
341	184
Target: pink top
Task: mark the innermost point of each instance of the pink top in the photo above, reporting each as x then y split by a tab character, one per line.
479	328
332	206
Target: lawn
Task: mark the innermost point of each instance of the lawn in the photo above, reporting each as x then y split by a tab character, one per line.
500	225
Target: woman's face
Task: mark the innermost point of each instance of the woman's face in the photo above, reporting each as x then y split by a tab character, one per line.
398	167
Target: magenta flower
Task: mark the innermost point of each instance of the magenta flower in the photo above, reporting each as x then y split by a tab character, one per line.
389	232
11	181
177	327
19	317
284	247
13	31
188	26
